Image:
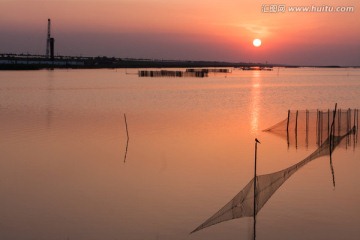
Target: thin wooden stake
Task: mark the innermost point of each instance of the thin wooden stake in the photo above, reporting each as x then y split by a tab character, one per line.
287	128
288	121
127	141
320	127
357	124
339	121
328	122
317	126
331	145
332	130
255	178
296	123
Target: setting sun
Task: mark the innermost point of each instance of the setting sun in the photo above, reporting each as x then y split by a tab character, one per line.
257	42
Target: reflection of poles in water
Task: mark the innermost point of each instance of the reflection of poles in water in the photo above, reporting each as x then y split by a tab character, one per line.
255	194
127	132
127	144
49	100
127	141
356	124
320	126
307	129
254	236
332	171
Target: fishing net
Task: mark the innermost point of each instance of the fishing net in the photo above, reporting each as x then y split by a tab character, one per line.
326	129
242	205
308	128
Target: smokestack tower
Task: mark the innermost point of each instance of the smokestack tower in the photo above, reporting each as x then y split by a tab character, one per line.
48	39
52	46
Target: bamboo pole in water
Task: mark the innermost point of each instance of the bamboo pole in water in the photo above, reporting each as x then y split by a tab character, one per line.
332	129
288	119
317	126
296	122
287	128
255	195
307	128
127	141
357	124
355	128
321	125
296	127
328	122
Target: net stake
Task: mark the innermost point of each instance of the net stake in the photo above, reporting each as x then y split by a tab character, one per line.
256	142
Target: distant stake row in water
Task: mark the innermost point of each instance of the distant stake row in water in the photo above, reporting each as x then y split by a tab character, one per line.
192	72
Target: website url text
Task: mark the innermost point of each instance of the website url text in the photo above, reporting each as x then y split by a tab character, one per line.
282	8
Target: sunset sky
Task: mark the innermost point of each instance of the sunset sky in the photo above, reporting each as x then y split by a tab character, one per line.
221	30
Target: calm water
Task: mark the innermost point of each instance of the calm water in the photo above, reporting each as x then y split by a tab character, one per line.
191	150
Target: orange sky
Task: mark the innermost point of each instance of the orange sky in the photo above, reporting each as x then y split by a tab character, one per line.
184	29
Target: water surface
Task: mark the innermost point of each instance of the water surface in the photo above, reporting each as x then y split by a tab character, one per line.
191	149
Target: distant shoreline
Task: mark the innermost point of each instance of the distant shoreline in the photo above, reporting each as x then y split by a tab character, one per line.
38	62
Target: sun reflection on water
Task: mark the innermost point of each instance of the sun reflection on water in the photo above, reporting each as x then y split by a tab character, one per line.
255	101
